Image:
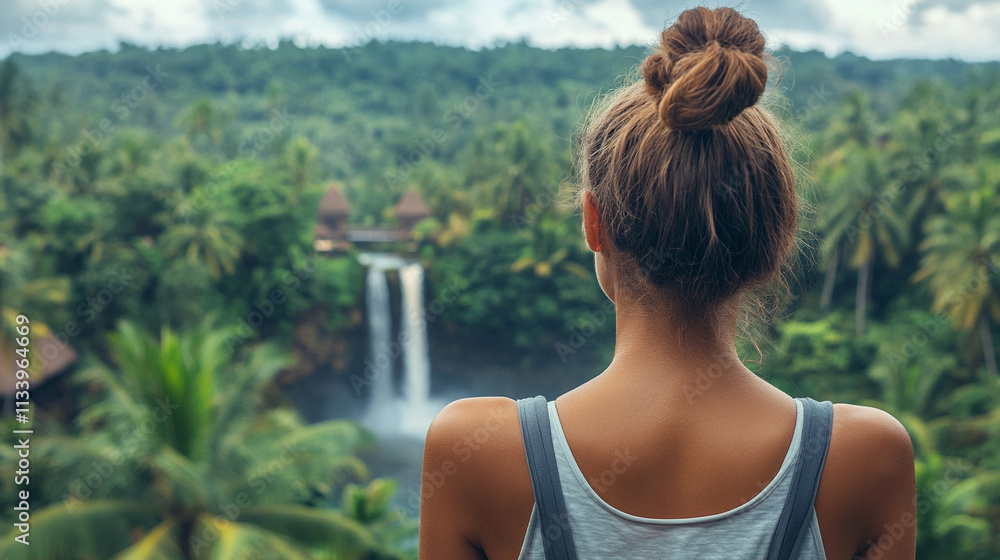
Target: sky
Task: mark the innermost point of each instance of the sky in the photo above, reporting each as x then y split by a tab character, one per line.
964	29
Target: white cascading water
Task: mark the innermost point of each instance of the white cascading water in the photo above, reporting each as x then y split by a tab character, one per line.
379	365
416	361
388	413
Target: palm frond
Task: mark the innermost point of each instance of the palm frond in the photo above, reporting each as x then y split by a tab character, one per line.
96	529
159	544
238	393
231	540
313	527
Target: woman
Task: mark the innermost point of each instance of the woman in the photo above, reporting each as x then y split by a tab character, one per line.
676	450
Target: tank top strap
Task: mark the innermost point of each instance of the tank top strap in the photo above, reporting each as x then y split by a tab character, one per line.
794	522
536	432
798	510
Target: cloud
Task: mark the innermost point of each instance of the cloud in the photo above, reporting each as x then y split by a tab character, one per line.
896	29
36	26
551	23
879	29
363	10
791	14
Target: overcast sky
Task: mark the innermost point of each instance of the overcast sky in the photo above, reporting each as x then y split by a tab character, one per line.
965	29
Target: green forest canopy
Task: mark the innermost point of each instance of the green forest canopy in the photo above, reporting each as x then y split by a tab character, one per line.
194	175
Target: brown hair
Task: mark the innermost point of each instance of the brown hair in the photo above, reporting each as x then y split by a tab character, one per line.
689	175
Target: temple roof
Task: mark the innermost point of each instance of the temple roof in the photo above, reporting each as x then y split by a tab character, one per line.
410	205
333	203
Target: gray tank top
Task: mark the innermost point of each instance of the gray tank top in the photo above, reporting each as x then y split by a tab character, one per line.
600	531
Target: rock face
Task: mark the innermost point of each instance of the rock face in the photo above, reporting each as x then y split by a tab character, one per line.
318	350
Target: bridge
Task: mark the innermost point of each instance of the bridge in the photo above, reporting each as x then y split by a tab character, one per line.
334	234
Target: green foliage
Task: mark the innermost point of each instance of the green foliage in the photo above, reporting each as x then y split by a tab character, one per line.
817	357
514	306
176	437
200	199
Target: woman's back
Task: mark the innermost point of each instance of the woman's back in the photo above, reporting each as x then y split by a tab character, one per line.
747	531
650	452
689	206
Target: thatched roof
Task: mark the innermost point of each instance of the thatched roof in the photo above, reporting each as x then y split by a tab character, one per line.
59	355
333	203
410	205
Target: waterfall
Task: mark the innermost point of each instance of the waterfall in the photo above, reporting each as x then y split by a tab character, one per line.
389	413
417	367
380	335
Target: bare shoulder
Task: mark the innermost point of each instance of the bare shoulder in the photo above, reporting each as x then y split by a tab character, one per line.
871	438
474	462
868	479
467	426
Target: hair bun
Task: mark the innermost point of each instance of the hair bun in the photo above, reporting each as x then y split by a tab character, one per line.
709	68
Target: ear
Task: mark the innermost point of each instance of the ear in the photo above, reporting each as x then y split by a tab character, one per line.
593	226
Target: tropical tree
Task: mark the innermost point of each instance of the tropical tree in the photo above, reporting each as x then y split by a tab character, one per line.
372	506
852	125
961	259
301	159
15	104
908	381
953	520
202	120
175	460
862	223
516	170
134	149
20	290
553	241
207	236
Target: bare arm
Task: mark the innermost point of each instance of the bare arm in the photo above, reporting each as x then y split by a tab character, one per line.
445	527
475	496
867	501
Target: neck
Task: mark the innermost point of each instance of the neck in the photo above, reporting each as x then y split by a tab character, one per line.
655	346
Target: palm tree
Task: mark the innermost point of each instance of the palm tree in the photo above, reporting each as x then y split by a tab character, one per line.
925	137
207	237
953	518
909	383
515	169
301	161
862	223
371	506
852	126
15	104
961	259
134	149
177	461
201	119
